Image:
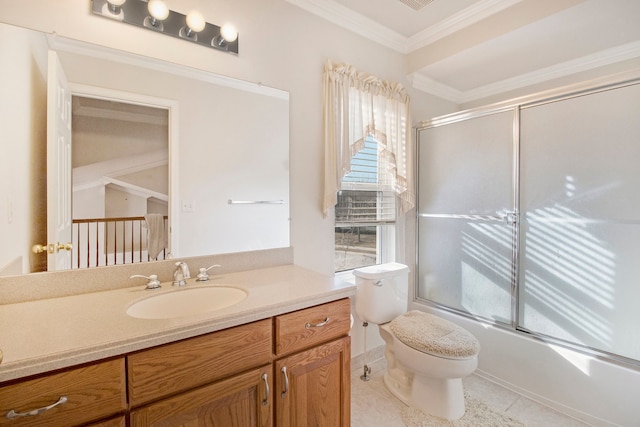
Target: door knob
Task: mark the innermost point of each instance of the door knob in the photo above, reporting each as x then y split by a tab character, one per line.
51	248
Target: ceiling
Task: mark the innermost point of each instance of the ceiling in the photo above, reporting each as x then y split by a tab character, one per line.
466	50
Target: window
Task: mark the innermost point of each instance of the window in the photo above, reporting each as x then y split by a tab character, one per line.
368	163
365	213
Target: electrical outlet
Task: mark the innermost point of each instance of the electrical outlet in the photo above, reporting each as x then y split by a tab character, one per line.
188	206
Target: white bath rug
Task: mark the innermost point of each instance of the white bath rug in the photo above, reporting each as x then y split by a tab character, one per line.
477	414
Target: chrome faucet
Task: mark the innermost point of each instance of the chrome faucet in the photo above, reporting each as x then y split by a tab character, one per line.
181	274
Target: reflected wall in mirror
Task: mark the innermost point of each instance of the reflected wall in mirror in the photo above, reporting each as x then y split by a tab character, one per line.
228	140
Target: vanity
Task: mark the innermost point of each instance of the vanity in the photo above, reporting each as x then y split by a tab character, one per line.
280	356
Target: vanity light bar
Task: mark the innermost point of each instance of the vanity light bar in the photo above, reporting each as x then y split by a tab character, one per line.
136	12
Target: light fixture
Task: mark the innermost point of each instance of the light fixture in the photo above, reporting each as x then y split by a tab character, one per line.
193	25
156	15
113	9
158	12
228	34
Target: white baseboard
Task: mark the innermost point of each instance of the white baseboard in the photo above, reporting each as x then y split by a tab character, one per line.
580	416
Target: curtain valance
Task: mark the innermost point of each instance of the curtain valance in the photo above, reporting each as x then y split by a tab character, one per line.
357	105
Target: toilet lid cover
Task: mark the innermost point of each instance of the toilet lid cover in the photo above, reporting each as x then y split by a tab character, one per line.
433	335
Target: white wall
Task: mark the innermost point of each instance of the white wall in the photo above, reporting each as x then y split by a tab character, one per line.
89	203
23	126
123	204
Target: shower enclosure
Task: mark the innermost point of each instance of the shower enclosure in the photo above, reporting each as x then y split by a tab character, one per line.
529	217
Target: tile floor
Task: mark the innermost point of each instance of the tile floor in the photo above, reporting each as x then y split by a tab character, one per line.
372	405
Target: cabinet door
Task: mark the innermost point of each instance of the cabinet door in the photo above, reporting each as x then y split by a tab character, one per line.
242	400
313	387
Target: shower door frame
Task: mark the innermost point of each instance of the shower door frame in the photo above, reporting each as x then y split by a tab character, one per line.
516	106
511	217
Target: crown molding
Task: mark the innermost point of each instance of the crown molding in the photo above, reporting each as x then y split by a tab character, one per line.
563	69
354	22
426	84
136	190
347	18
585	63
466	17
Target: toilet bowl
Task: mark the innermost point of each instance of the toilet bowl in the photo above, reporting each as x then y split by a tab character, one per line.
427	356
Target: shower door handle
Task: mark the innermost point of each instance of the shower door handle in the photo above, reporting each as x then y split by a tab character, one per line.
509	217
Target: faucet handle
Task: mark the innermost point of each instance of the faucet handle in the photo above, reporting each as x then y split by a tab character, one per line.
153	282
202	274
183	267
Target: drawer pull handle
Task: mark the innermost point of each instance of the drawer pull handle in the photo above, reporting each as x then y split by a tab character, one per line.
286	382
317	325
265	402
13	414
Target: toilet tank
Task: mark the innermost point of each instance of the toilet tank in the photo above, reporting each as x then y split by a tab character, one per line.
382	292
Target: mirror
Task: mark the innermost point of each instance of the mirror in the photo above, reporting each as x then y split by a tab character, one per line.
228	152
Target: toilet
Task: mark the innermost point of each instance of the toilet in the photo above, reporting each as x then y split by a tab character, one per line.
427	356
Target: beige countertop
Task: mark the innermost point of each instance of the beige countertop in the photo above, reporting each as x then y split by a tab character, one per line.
42	335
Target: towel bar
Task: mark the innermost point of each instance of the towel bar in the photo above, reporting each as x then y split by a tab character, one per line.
256	202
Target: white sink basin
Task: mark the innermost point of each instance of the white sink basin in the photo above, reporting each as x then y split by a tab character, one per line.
186	302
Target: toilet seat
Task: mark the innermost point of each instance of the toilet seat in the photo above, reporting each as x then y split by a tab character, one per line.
433	335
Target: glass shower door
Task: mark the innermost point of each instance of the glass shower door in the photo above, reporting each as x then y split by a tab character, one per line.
581	220
467	226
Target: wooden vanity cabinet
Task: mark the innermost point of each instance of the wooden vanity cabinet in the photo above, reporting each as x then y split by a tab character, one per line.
92	392
220	379
313	386
289	370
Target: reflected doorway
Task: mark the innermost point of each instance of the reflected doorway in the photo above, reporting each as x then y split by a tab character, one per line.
120	169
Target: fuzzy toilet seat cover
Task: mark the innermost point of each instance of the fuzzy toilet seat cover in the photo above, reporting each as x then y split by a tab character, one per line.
433	335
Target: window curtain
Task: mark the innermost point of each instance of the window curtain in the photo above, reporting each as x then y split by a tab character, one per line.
357	105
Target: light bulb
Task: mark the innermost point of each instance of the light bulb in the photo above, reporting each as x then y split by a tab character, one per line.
114	8
158	9
229	33
195	21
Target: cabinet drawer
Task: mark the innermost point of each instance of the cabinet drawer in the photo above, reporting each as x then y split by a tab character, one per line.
92	392
180	366
311	326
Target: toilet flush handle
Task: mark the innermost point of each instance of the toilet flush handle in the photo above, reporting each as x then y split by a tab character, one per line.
378	282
